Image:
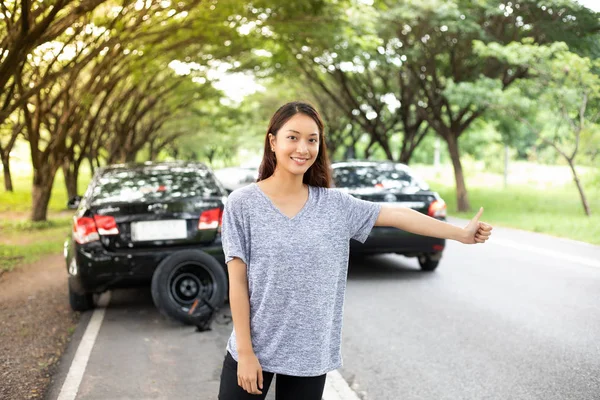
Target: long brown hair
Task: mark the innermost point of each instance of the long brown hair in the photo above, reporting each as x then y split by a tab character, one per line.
319	173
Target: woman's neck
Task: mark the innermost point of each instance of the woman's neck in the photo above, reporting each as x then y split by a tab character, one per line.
282	182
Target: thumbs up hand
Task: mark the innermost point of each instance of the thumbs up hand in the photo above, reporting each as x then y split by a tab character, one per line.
477	231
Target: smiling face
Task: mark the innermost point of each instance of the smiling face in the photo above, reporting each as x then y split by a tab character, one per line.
296	144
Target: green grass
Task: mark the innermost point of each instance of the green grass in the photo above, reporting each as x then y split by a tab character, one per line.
12	256
23	241
554	211
8	227
20	200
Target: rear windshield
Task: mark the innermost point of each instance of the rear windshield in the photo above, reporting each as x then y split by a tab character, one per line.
233	178
370	176
154	184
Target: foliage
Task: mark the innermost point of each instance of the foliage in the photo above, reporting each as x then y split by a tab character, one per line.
105	81
561	103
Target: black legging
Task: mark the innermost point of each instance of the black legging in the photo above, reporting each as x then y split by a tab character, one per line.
286	387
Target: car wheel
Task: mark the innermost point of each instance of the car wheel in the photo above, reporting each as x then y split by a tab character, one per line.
80	302
182	278
427	263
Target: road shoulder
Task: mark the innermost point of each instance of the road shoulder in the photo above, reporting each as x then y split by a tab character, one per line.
36	324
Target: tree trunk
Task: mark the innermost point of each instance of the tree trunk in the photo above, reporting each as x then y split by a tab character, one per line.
71	174
210	155
156	149
350	152
117	158
388	151
151	151
43	179
584	202
462	198
90	159
129	156
8	185
368	150
405	157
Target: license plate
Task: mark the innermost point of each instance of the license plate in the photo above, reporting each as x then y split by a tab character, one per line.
158	230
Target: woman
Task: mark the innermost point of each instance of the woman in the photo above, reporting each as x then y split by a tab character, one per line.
286	241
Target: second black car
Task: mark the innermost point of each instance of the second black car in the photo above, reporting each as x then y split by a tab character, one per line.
395	185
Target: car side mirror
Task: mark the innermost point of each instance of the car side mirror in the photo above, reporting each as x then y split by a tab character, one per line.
73	202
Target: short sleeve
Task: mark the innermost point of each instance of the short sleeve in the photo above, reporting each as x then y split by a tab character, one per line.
361	214
233	231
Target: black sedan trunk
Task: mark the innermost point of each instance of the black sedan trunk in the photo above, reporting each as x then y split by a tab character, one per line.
144	225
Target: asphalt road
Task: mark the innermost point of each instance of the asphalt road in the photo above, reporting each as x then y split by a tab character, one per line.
517	318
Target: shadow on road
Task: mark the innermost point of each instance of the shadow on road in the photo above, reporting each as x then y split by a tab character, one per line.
139	298
136	306
385	267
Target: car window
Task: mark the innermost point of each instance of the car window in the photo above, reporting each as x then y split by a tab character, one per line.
373	176
235	177
151	184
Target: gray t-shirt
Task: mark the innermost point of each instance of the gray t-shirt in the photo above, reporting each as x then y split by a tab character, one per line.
297	272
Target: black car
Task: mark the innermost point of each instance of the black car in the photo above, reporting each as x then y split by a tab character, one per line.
151	223
393	184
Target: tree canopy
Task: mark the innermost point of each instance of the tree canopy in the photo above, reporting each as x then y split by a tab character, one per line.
107	81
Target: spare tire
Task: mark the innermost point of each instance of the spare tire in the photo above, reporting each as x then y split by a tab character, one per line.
183	277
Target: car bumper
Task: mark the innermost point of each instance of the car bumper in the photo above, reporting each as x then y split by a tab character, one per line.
393	240
97	270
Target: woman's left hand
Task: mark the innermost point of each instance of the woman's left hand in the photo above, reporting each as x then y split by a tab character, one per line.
477	231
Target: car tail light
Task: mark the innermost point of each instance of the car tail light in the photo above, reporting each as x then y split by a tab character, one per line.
88	229
106	225
210	219
437	209
84	230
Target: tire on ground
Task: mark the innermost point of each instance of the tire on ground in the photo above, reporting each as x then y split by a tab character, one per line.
427	263
80	302
193	261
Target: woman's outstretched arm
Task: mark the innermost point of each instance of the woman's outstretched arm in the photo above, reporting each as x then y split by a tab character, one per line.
249	372
413	221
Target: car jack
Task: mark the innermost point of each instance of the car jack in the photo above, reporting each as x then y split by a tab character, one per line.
204	324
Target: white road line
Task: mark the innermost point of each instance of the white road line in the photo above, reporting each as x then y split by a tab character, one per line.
548	252
336	388
71	384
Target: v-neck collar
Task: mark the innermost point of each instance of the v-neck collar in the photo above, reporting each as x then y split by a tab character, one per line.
276	209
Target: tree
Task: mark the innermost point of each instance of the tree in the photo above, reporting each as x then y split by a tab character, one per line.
571	88
436	42
8	135
560	104
347	65
25	26
63	121
55	116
